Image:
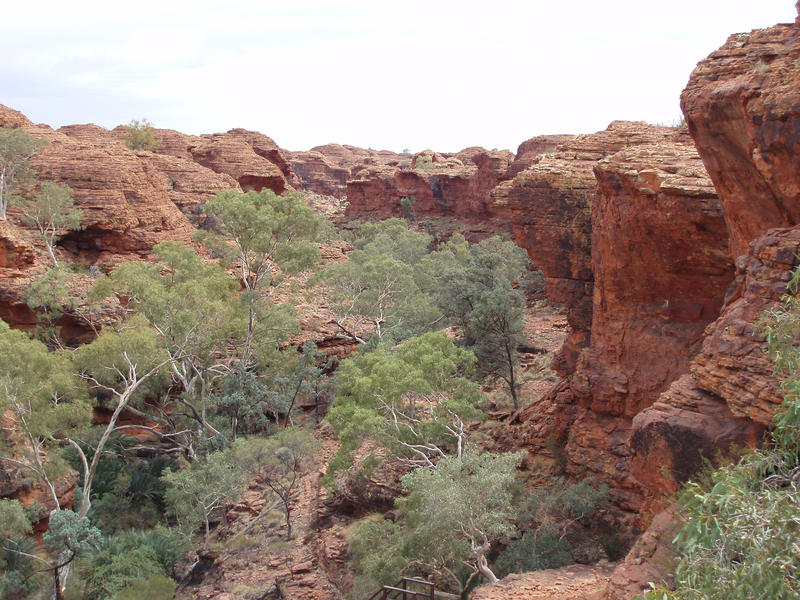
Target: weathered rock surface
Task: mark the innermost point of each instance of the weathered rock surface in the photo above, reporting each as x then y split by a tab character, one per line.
529	150
731	363
318	174
251	158
189	184
125	204
742	105
661	268
731	394
16	253
551	212
685	428
575	582
455	187
326	169
652	559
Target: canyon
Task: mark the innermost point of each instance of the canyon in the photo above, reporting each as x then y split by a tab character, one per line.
664	245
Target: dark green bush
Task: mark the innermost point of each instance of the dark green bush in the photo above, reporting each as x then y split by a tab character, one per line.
536	549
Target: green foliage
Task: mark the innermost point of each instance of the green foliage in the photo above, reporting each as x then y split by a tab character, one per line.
266	230
544	516
193	313
407	208
423	161
51	212
45	400
15	568
155	587
392	237
129	558
49	297
70	532
276	463
13	520
375	292
197	495
109	359
537	549
18	572
127	491
413	399
475	290
140	135
741	531
446	525
16	148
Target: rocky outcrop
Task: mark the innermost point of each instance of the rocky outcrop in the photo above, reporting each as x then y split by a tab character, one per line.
16	253
252	159
550	205
661	269
189	185
574	582
125	204
529	150
742	111
17	484
742	108
318	174
657	267
326	169
683	430
651	560
731	393
454	187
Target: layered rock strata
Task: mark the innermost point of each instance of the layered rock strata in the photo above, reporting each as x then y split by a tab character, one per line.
742	105
550	207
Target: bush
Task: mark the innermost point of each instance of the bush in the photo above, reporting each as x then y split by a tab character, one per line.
155	587
537	549
140	135
131	559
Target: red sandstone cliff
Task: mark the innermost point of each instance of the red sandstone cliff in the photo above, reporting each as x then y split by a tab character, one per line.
550	206
742	105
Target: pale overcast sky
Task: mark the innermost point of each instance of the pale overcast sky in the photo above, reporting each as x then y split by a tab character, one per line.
414	74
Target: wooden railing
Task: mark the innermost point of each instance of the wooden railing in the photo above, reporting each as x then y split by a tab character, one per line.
403	591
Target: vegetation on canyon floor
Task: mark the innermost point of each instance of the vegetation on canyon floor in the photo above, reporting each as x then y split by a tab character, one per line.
196	351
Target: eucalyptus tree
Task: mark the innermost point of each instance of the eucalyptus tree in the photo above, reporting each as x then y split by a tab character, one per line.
191	306
447	524
477	291
51	212
266	231
16	148
414	400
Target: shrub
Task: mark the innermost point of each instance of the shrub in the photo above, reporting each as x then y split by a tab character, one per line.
140	135
537	549
155	587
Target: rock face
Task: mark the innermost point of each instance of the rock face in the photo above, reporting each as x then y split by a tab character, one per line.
651	559
634	242
454	187
661	268
550	205
731	394
326	169
318	174
252	159
742	105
